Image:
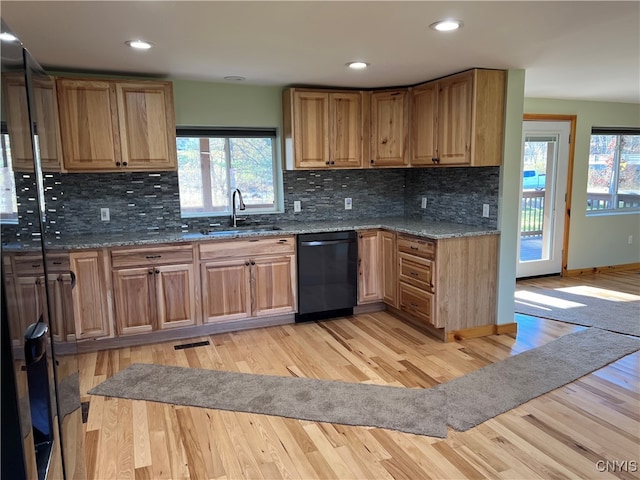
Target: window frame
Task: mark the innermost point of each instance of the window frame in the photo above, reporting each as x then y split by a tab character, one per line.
615	209
226	133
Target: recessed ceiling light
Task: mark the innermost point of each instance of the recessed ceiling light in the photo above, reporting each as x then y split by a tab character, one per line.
7	37
139	44
357	65
446	25
234	78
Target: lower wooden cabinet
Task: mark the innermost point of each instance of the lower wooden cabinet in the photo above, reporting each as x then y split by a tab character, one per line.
369	263
389	268
90	311
450	283
148	293
248	278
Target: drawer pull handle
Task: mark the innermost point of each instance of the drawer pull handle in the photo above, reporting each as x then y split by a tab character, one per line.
35	265
284	240
57	263
415	274
413	247
151	257
415	305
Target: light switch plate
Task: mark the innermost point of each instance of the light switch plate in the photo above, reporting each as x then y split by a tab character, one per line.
423	204
104	215
297	206
348	204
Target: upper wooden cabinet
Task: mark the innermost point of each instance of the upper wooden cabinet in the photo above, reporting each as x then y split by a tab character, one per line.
390	128
322	129
109	125
45	111
459	120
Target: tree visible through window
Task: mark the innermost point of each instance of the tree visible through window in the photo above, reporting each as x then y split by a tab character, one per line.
212	163
613	183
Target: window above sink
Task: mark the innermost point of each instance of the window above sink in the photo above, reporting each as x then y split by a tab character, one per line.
213	162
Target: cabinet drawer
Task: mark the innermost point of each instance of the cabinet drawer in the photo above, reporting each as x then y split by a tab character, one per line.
246	247
151	256
416	271
417	246
32	264
417	303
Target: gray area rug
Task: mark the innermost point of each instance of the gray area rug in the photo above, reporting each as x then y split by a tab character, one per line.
461	403
408	410
499	387
620	314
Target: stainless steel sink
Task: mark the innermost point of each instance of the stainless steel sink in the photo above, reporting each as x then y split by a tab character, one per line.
239	231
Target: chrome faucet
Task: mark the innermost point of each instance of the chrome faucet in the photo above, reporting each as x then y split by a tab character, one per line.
241	206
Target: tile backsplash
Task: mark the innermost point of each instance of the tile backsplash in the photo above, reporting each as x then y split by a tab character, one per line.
150	201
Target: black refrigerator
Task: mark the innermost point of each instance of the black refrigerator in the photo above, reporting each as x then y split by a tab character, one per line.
41	435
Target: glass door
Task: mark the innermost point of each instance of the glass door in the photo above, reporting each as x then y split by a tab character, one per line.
543	190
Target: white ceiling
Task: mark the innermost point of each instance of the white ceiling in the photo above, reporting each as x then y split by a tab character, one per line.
572	50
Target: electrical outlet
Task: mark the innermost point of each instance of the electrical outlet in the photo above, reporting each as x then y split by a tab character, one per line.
630	239
296	206
104	215
348	204
423	204
485	210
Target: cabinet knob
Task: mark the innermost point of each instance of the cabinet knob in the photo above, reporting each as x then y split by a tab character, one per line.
327	162
252	262
157	271
150	272
332	162
117	164
247	263
124	164
372	161
435	160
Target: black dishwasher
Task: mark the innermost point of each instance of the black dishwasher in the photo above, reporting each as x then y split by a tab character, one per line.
327	275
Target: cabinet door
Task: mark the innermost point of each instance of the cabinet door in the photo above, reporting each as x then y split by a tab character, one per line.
226	290
88	125
369	261
345	117
45	105
273	285
175	295
16	113
389	272
133	295
89	295
147	125
311	129
424	124
455	110
31	299
389	128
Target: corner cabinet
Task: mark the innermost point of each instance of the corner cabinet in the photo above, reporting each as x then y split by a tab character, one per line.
109	126
459	120
322	129
390	128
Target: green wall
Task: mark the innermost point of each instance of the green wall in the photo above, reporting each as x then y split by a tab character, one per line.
226	105
594	241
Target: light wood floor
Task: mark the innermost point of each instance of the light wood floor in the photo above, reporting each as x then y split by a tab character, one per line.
563	434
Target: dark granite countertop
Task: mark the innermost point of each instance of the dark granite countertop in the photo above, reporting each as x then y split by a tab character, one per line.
423	228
